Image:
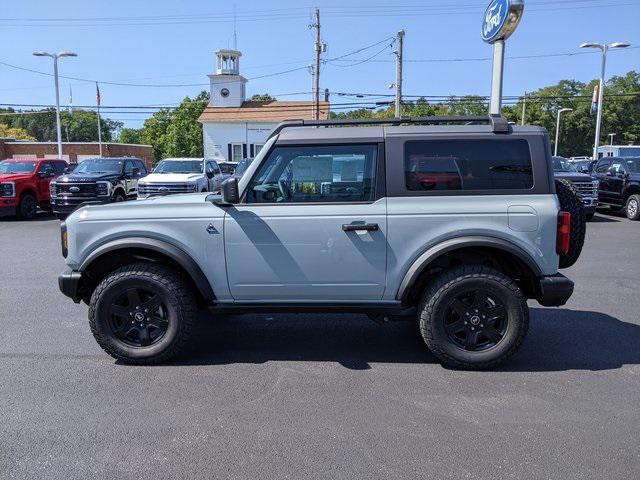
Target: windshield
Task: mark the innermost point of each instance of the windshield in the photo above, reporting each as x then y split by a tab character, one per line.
179	166
562	165
227	168
17	167
242	166
99	165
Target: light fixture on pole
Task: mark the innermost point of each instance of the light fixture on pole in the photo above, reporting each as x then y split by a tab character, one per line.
604	48
55	57
562	110
611	135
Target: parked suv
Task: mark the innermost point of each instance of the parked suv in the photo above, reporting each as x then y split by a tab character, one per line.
620	184
182	175
585	184
97	181
24	185
364	219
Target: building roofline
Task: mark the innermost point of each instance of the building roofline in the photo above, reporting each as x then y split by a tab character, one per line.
20	142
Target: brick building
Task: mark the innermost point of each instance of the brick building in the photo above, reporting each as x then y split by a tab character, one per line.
72	151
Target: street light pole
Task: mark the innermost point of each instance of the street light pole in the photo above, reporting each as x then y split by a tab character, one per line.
611	135
55	57
604	48
555	153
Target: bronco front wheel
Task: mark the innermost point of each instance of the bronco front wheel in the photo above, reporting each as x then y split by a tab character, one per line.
473	317
142	313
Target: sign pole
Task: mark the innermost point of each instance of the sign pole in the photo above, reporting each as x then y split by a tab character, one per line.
495	106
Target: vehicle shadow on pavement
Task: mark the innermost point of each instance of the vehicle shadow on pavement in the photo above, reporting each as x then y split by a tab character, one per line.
41	215
604	218
559	339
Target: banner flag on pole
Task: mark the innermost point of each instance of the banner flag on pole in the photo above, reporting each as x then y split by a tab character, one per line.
594	100
97	94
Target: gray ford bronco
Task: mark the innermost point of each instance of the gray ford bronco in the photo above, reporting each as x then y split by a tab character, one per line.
451	222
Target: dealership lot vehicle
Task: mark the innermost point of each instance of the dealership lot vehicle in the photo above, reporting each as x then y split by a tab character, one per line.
619	179
97	181
182	175
392	234
24	185
228	168
586	185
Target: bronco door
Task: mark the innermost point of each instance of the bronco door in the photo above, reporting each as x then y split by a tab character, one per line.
311	227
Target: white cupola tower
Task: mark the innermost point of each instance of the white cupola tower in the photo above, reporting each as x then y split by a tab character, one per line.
227	85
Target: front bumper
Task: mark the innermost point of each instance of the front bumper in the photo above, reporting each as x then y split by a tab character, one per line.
554	290
69	283
8	206
67	205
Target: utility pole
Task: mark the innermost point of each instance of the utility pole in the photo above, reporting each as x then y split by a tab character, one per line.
524	107
316	72
400	38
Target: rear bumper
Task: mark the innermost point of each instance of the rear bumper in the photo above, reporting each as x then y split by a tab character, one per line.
69	283
554	290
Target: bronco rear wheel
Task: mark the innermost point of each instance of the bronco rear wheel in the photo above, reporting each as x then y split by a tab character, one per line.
473	317
142	313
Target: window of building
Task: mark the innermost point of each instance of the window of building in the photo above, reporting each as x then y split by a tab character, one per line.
256	148
437	165
237	152
340	173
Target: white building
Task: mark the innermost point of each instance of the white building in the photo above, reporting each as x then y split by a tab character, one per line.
619	151
237	128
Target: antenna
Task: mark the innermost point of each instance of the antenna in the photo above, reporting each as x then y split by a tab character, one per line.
235	33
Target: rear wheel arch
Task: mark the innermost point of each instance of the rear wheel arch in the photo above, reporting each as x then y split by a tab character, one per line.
496	253
118	253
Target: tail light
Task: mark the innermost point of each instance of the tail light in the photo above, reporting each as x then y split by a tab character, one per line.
563	235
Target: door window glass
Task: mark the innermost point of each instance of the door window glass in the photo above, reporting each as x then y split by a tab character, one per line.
603	166
435	165
46	169
128	168
59	168
341	173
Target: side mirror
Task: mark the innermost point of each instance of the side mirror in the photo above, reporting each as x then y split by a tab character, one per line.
230	193
209	174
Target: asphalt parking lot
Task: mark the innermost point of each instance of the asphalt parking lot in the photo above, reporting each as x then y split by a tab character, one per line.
314	396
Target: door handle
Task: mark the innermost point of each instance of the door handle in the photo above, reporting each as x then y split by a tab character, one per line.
352	227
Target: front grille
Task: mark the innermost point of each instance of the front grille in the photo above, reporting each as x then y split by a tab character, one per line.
586	189
164	188
75	189
7	190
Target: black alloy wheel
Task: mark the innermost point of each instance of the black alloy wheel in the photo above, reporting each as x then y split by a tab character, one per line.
138	317
476	320
28	207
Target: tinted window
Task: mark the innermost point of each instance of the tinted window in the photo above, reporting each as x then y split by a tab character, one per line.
46	169
602	166
436	165
141	166
343	173
128	168
59	168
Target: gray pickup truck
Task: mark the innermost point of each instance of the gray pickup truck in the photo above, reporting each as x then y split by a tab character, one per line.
452	222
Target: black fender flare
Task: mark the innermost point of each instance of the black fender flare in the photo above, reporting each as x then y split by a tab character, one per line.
175	253
423	261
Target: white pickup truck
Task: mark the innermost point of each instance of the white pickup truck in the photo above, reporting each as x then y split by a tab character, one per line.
182	175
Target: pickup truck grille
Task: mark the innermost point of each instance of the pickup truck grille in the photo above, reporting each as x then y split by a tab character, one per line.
75	189
163	188
586	189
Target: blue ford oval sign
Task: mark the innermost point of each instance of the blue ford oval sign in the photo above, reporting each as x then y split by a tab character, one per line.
501	18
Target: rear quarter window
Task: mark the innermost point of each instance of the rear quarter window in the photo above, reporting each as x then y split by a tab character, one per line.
477	165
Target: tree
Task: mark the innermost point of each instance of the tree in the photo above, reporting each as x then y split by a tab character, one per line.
177	132
130	135
17	133
262	97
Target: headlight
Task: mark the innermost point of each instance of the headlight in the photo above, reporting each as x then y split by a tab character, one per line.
104	189
52	189
596	183
8	189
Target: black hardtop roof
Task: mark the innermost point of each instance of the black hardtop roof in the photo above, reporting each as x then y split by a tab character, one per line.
381	127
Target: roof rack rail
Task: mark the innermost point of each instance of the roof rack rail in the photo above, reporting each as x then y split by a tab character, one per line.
498	123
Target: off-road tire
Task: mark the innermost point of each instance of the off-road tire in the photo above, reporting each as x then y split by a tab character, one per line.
28	207
177	295
436	298
118	197
571	202
632	207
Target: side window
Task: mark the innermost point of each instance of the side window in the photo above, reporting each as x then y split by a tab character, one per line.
617	167
602	166
216	168
340	173
142	167
128	168
46	169
446	165
59	168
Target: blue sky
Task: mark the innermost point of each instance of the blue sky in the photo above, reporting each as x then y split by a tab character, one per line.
171	42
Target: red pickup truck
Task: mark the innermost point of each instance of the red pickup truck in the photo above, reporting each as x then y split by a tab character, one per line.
24	184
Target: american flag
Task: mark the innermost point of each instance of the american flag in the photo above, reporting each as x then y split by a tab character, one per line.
97	94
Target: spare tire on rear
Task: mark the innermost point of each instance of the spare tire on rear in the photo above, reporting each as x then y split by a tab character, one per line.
571	202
